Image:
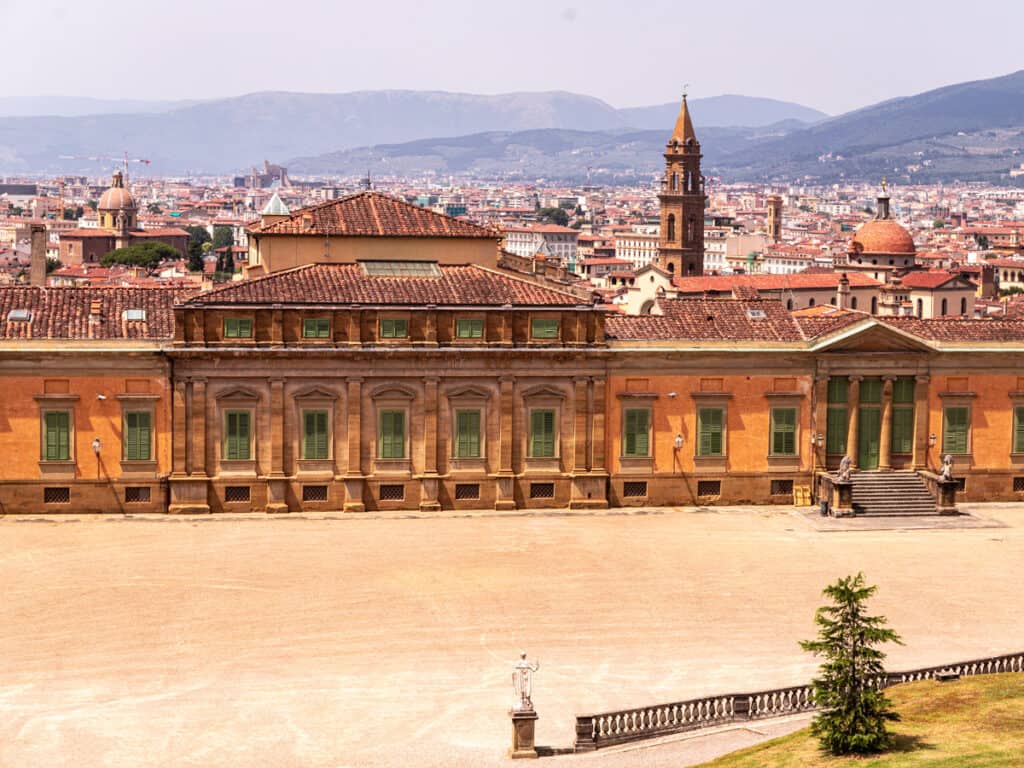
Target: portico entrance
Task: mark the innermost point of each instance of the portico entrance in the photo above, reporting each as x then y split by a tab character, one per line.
869	432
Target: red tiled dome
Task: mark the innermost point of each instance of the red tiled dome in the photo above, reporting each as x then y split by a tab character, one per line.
116	199
882	236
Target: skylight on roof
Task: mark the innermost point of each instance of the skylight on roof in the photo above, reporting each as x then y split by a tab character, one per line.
19	316
400	268
133	314
756	314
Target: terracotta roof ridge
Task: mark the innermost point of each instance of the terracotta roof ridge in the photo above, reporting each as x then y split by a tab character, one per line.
258	279
513	276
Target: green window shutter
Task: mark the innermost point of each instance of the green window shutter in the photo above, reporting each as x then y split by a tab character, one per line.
469	328
871	390
393	328
903	390
954	433
784	431
636	438
544	328
392	435
137	435
316	328
58	436
467	434
236	444
314	438
838	389
709	428
542	433
1018	430
903	430
237	328
835	433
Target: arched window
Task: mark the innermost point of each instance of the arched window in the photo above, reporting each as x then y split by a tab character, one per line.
963	306
853	302
874	305
671	267
675	180
832	301
789	304
671	227
945	307
920	308
811	302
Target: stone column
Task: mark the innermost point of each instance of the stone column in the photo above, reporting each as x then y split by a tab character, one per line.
179	435
885	438
819	420
920	459
853	406
580	420
277	485
354	472
429	481
505	480
597	444
199	427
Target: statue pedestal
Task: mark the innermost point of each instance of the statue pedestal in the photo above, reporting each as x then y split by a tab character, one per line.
947	497
523	722
842	503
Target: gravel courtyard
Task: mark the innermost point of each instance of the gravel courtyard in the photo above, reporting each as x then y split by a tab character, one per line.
387	640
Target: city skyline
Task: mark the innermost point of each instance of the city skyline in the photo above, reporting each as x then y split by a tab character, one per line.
832	60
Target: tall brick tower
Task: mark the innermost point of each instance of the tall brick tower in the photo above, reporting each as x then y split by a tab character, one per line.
681	243
775	217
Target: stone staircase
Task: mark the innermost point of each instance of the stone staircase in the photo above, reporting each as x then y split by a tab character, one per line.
891	494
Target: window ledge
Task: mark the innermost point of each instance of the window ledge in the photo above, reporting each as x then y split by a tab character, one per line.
954	395
475	463
710	395
392	466
306	466
140	397
138	465
544	463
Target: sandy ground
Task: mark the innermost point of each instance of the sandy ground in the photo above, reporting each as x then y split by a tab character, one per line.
372	641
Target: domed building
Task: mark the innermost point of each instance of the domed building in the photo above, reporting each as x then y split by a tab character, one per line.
118	227
882	247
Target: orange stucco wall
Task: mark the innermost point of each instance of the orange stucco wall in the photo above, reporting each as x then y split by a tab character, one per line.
991	419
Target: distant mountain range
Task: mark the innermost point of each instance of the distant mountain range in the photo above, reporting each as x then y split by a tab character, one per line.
228	135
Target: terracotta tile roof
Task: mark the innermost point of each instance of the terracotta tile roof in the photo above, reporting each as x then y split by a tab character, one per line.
64	313
930	280
372	214
709	320
339	284
805	280
960	329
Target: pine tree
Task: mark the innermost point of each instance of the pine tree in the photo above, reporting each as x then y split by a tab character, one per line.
854	709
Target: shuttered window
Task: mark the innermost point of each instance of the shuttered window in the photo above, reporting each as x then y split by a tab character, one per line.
469	328
956	420
314	435
467	434
902	429
316	328
903	390
1018	430
544	328
57	437
542	433
237	328
783	431
391	442
636	432
709	429
393	328
871	390
835	433
237	435
838	389
137	435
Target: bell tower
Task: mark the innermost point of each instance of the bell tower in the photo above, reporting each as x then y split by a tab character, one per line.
681	242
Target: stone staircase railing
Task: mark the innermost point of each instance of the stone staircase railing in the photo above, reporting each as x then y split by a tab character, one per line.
605	729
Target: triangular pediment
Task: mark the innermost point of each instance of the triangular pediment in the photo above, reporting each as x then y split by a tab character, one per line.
871	336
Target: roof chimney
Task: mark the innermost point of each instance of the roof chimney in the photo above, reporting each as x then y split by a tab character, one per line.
843	292
37	270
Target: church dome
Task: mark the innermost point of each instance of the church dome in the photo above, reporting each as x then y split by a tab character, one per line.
117	198
883	236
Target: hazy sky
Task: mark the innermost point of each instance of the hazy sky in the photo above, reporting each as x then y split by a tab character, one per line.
830	55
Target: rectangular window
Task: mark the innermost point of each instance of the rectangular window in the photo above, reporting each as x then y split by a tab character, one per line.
636	423
709	431
316	328
835	433
903	390
469	328
57	437
467	434
542	433
544	328
237	328
871	390
314	435
394	328
1018	430
783	431
903	429
954	429
391	443
137	435
237	435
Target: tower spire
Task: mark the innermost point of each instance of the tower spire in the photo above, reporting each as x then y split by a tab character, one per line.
683	130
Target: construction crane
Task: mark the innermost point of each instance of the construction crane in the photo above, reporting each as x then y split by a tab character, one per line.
100	159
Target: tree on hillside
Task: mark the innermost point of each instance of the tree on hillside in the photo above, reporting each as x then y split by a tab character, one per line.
53	265
854	709
197	238
554	215
147	255
982	241
222	236
938	224
92	204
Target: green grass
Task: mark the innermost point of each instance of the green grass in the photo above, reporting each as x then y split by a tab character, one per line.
975	722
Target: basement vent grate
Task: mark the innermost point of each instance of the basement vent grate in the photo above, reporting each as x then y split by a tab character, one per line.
136	494
236	494
782	487
392	493
709	487
542	490
467	491
634	488
314	493
56	495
